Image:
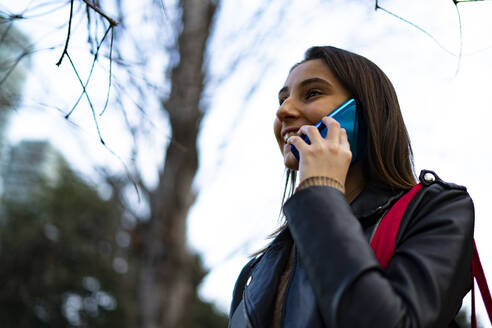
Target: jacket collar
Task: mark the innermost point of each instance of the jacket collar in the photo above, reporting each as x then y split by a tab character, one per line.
374	199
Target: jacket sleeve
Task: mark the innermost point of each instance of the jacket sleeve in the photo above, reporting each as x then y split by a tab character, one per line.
425	281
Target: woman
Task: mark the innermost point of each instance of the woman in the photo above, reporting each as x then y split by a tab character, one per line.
320	271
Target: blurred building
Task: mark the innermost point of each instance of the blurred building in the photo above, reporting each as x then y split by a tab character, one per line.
25	166
14	68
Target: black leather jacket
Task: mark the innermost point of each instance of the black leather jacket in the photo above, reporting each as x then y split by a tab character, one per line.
336	280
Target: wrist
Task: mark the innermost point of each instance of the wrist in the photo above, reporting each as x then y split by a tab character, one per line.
321	181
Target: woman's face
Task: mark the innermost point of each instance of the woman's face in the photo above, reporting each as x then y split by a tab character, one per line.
310	92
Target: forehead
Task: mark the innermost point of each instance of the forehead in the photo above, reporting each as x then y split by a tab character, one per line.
309	69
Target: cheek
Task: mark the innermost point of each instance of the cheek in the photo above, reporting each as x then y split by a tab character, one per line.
277	129
318	112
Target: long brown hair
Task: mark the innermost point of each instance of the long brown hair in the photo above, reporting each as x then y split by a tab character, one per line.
387	157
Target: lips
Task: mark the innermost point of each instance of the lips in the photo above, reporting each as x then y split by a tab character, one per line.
287	133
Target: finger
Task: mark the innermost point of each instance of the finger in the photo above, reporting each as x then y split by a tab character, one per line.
344	138
297	142
311	132
333	126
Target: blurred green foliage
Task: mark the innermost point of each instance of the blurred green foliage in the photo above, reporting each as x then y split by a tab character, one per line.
203	314
56	252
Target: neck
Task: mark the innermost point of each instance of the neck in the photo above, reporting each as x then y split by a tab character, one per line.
355	181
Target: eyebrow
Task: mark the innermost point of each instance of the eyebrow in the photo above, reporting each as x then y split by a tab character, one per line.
308	81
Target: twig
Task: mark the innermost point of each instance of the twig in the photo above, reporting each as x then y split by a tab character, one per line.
377	6
90	73
88	99
117	184
460	53
89	28
112	24
110	73
137	185
12	17
461	37
138	181
111	21
68	35
25	15
164	11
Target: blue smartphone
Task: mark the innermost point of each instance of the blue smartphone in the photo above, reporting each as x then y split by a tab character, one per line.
345	114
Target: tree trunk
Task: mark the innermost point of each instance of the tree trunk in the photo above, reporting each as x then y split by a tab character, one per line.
164	270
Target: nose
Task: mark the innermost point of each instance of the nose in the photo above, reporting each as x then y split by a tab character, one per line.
288	110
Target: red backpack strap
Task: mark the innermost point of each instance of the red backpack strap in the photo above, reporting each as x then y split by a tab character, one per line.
479	276
383	241
383	245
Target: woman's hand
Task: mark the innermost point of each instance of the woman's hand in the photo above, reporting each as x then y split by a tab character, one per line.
329	156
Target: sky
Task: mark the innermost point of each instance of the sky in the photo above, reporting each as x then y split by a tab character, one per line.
445	102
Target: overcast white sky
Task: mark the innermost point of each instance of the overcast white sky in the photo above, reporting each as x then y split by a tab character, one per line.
448	116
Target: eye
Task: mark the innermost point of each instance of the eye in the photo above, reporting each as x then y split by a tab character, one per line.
281	100
312	93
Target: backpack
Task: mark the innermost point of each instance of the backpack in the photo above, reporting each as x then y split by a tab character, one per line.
383	245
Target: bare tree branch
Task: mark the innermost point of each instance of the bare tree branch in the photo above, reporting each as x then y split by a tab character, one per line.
84	86
88	98
68	35
433	38
110	72
111	21
460	53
